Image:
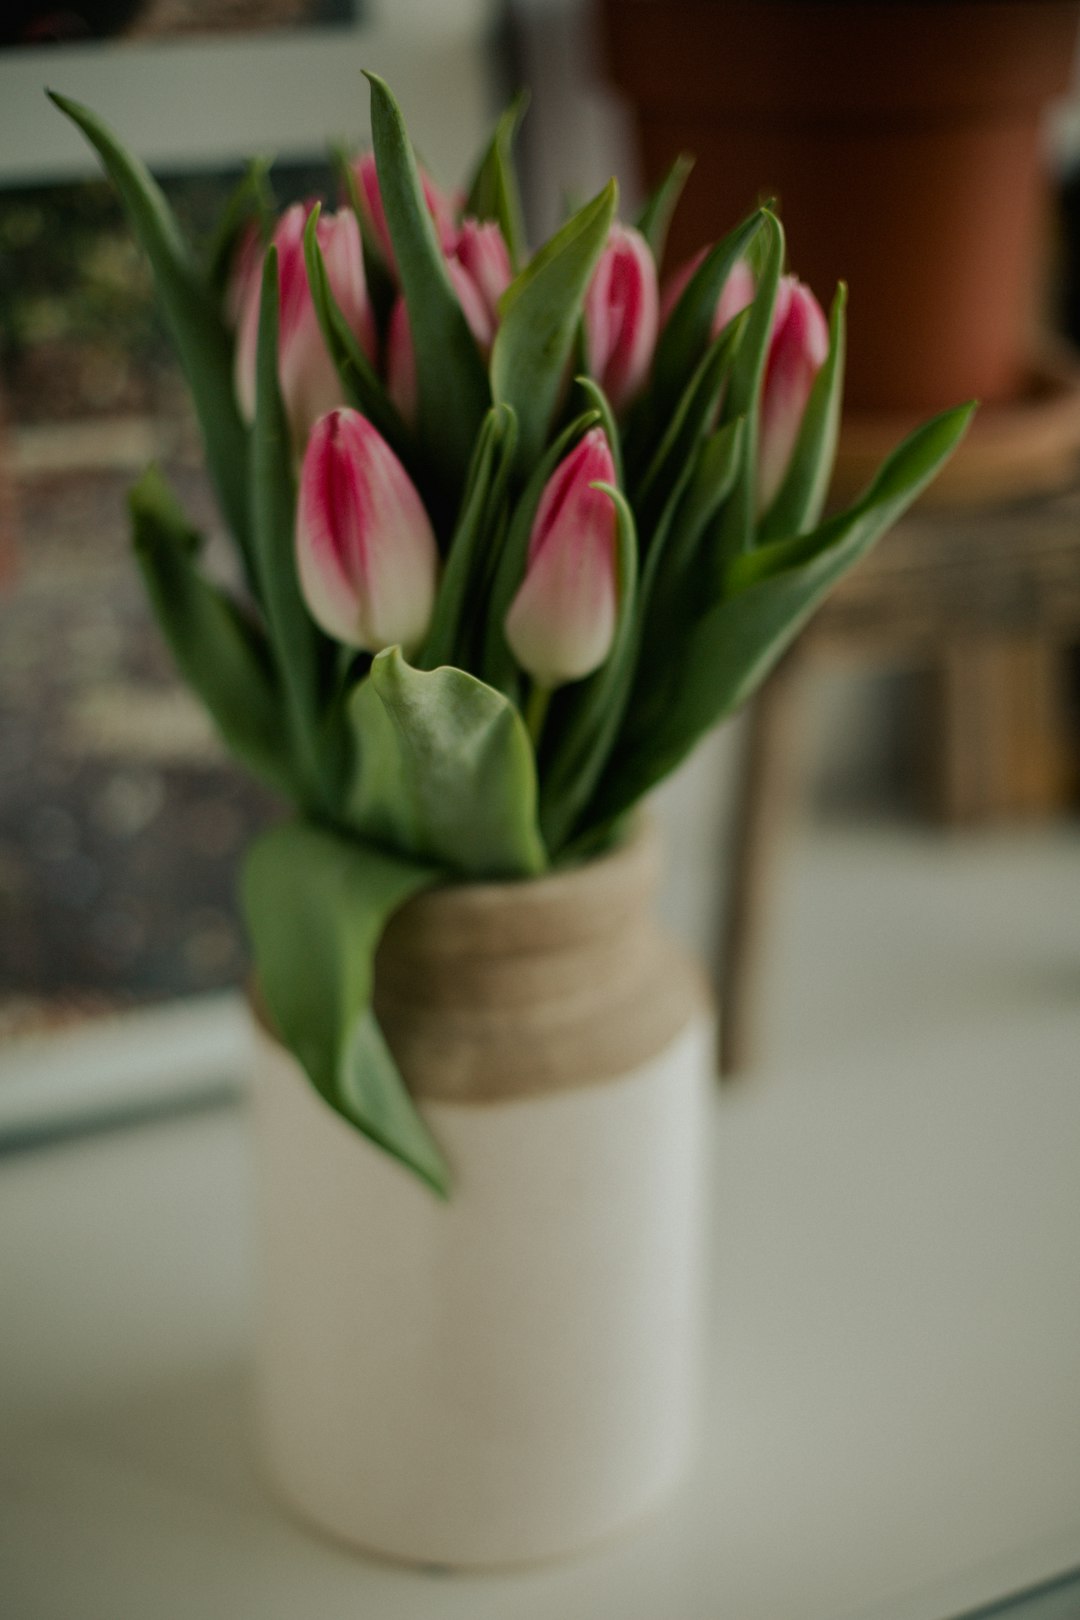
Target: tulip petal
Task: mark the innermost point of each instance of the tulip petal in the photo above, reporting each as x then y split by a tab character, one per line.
622	316
482	252
310	385
797	352
366	552
339	242
561	623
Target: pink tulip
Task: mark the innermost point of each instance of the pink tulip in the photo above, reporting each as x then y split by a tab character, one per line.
307	375
622	315
736	294
482	254
369	195
561	623
365	550
478	292
798	348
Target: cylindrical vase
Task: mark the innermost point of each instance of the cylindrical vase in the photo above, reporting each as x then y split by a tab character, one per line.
512	1374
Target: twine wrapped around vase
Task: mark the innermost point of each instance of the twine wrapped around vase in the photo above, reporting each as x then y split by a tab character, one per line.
500	990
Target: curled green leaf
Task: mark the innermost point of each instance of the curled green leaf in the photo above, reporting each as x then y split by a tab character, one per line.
448	771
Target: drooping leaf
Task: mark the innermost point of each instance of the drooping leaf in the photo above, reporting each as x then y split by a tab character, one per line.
801	497
462	587
723	657
499	665
594	707
494	192
302	652
316	907
359	379
222	655
453	388
540	311
448	771
191	312
655	217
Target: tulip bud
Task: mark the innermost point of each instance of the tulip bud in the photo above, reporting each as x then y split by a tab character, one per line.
307	375
561	623
621	315
798	348
369	197
482	254
736	294
365	550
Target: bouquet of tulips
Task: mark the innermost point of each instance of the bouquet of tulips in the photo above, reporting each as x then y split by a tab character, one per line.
514	530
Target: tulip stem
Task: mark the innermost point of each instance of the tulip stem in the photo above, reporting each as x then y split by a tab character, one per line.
536	708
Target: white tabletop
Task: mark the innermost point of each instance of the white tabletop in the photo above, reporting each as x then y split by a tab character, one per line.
893	1425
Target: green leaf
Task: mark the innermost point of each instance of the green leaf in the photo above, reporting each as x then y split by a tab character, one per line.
453	388
302	652
687	333
678	573
690	422
251	200
360	381
540	311
736	533
801	497
222	655
462	587
674	579
900	479
448	772
499	665
494	192
316	907
724	657
191	311
594	706
596	399
655	218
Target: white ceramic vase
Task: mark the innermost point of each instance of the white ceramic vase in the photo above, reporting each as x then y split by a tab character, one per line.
512	1375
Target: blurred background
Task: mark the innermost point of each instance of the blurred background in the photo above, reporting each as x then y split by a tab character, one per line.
879	859
928	153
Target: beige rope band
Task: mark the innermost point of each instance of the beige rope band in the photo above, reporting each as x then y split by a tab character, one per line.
501	990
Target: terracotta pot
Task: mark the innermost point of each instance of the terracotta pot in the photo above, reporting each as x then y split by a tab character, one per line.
903	144
510	1375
